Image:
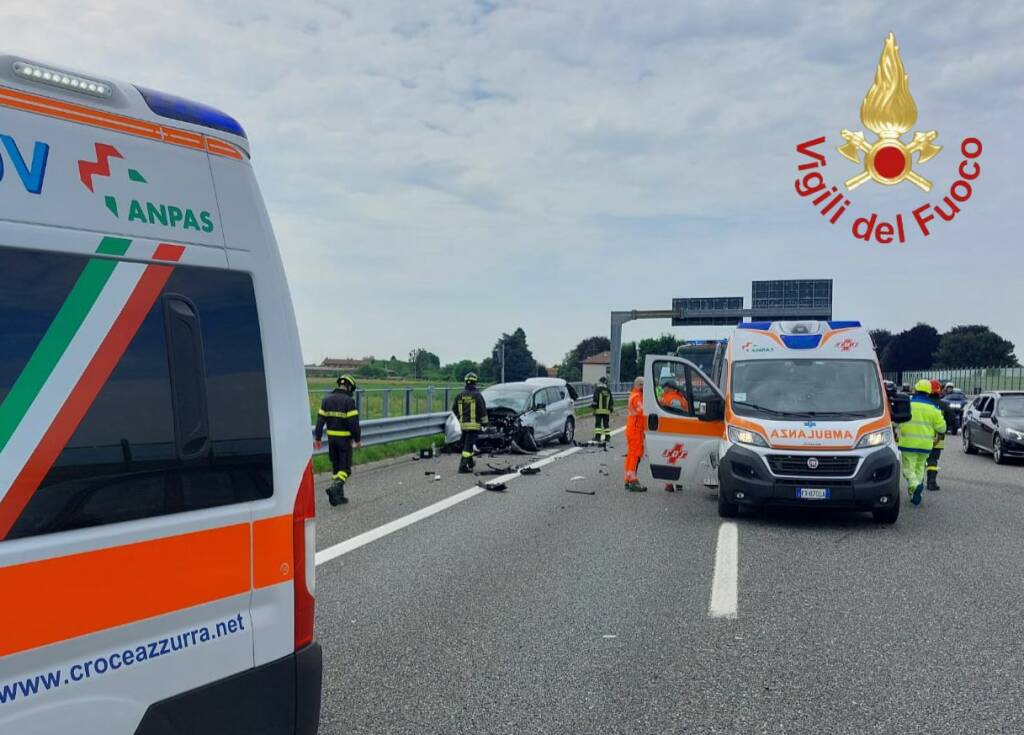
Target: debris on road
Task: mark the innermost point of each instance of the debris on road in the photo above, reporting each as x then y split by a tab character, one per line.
530	471
582	492
495	487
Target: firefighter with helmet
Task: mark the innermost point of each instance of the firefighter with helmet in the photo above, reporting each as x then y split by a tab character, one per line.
603	405
470	409
918	436
339	414
949	415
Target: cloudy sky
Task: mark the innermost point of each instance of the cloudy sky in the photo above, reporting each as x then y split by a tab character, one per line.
440	171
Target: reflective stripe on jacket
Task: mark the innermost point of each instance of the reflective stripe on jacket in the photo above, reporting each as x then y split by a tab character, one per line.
926	422
603	402
470	409
339	415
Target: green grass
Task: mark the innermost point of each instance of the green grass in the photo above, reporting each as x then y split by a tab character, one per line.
365	455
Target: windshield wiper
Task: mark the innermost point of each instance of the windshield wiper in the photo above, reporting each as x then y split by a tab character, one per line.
840	414
771	411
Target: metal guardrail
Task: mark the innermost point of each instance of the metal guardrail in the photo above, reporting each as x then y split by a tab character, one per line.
382	403
399	428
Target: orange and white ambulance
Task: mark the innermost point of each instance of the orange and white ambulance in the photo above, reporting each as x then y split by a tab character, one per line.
156	497
798	417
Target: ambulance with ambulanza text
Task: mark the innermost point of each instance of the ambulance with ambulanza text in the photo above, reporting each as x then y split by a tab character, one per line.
798	417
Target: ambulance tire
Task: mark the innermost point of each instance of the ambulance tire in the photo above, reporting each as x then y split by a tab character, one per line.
725	508
887	515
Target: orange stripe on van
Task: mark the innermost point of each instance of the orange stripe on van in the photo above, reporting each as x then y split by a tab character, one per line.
18	100
56	599
272	552
696	427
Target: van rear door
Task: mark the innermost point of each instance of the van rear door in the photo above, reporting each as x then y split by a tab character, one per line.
684	420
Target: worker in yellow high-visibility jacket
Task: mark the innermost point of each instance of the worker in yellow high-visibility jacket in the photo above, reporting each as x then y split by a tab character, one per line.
918	437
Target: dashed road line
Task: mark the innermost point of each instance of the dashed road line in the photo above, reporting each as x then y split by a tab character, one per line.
724	592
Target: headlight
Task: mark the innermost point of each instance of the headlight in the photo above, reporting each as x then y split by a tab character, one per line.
1014	434
875	439
746	436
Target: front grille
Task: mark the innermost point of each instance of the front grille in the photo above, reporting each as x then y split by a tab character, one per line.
796	464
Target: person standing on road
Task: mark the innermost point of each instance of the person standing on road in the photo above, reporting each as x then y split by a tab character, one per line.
917	438
635	425
470	409
603	405
340	416
948	415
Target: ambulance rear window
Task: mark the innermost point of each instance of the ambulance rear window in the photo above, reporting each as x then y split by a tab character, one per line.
179	423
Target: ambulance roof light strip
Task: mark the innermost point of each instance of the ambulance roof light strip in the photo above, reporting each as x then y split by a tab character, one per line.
63	80
179	108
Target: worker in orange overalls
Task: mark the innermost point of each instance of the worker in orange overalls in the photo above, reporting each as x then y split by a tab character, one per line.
635	425
672	398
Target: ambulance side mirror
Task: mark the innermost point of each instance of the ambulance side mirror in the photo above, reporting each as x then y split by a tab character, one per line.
899	408
712	409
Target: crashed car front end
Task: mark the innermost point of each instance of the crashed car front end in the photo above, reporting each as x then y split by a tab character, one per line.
507	431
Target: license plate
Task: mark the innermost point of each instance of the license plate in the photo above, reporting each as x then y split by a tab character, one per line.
813	493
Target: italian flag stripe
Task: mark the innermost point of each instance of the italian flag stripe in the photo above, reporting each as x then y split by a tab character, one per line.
75	389
57	338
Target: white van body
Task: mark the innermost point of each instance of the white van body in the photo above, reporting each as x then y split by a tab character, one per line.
156	507
804	420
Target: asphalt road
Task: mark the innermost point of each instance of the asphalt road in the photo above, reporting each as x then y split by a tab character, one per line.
537	610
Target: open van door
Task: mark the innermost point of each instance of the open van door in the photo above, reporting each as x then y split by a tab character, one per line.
685	421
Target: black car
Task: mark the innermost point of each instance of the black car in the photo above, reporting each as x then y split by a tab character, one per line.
994	422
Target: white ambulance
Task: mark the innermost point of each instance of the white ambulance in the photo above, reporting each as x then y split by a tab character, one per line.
798	417
156	496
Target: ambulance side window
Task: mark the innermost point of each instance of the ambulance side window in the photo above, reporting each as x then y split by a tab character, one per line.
177	422
672	387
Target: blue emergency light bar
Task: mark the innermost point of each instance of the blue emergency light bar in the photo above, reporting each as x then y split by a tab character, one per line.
179	108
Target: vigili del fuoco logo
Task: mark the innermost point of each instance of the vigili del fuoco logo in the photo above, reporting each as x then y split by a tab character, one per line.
889	112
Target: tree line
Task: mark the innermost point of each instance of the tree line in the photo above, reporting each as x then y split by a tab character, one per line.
422	364
922	347
919	348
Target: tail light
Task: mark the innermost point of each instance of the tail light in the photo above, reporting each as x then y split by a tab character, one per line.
303	553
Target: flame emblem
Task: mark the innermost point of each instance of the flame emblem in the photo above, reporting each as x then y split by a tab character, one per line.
889	111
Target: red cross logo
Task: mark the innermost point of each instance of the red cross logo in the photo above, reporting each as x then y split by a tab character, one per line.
847	344
675	454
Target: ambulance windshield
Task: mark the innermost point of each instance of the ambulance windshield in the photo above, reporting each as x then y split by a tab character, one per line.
836	390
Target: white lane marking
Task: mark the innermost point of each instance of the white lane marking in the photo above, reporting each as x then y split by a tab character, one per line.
333	552
723	586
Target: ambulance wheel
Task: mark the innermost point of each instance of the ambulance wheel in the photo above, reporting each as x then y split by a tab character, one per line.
887	515
725	508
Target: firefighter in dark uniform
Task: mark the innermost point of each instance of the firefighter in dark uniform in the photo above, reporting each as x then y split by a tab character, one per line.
932	468
603	404
339	414
471	411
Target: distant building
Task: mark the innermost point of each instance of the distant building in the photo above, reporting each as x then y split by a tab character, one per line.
344	363
553	372
596	367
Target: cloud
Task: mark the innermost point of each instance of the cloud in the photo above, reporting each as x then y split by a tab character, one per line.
453	170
